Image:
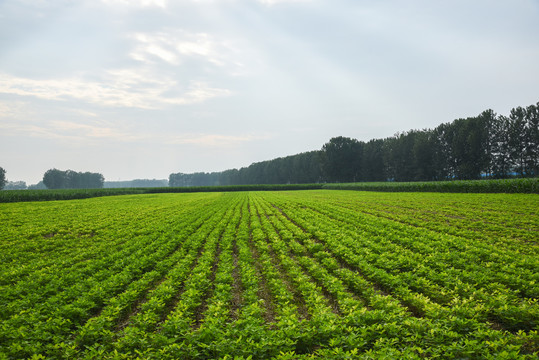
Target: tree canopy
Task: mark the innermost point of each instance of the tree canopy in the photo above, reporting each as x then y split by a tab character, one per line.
487	145
69	179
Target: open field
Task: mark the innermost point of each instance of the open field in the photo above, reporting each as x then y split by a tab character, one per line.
287	274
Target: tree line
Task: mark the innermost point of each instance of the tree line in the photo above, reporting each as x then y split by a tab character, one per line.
69	179
487	145
295	169
57	179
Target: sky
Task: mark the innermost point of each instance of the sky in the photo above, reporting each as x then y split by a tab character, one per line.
140	89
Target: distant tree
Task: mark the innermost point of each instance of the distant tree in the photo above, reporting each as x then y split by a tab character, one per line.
468	147
443	160
407	156
500	156
90	180
296	169
15	185
517	139
423	156
305	168
373	161
195	179
3	179
531	139
74	179
341	159
38	186
390	159
55	179
174	180
228	177
69	179
488	119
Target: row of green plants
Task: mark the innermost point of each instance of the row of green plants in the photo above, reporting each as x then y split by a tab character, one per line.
70	194
526	185
474	216
423	299
135	320
54	300
443	268
285	275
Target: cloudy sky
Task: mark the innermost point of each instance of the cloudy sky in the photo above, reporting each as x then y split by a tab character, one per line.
144	88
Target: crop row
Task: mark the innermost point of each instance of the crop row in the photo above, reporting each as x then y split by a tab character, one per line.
527	185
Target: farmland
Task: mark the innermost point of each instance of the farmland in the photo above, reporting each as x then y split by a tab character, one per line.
284	274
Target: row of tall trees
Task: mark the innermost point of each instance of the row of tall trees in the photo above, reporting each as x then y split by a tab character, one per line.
296	169
69	179
194	179
487	145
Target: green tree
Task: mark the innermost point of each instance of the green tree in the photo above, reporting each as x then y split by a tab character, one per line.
443	160
469	147
409	156
38	186
488	119
3	179
373	161
517	139
342	158
69	179
305	168
89	180
500	150
423	156
55	179
15	185
531	139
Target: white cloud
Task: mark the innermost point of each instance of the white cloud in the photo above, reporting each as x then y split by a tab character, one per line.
45	3
199	91
65	130
275	2
162	3
95	132
80	112
85	130
121	88
214	140
10	109
29	130
136	3
174	46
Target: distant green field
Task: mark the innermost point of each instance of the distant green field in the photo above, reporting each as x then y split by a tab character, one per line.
273	274
524	186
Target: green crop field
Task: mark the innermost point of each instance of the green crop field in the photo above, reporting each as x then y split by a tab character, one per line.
283	274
